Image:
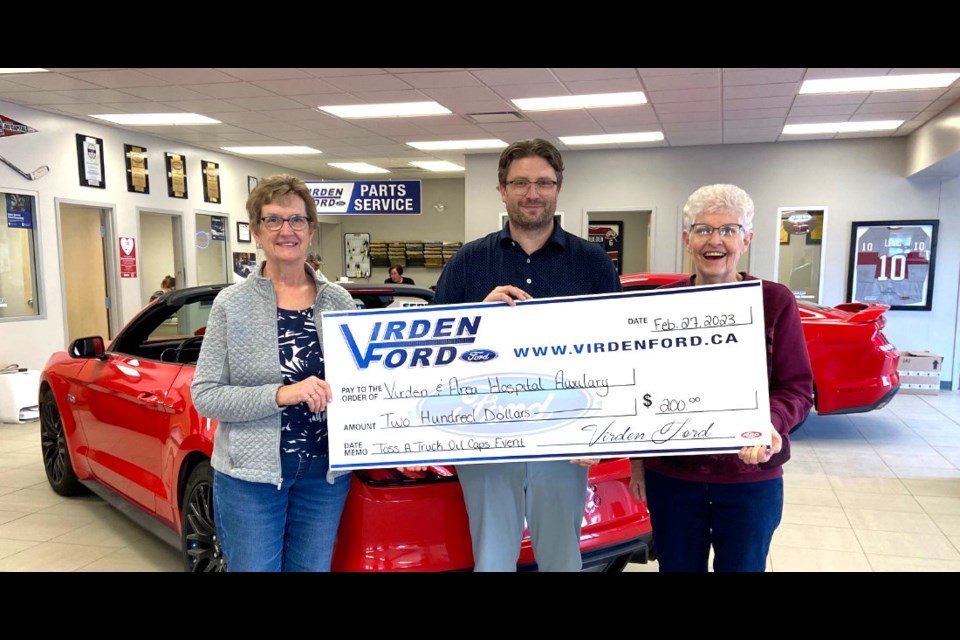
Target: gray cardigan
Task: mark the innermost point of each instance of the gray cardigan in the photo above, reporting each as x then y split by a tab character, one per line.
238	374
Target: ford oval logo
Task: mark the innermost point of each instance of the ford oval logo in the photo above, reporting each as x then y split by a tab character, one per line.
479	355
750	434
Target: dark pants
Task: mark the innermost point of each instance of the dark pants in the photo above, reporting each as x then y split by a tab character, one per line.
689	517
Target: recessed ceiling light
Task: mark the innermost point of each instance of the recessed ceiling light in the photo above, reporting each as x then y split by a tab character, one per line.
390	110
880	83
155	119
358	167
272	151
614	138
443	145
438	165
592	101
841	127
22	70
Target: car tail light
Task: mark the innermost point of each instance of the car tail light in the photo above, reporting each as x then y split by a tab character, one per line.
394	477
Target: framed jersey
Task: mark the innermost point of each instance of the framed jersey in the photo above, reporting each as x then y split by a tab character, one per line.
892	262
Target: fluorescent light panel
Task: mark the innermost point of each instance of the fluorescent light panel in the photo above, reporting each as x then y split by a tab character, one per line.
592	101
444	145
438	165
272	151
880	83
21	70
614	138
390	110
358	167
155	119
841	127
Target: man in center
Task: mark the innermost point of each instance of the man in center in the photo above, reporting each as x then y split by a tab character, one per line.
531	257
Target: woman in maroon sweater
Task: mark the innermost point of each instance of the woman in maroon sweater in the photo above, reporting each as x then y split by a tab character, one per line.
732	502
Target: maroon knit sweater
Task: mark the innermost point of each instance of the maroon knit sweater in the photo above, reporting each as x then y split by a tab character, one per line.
791	395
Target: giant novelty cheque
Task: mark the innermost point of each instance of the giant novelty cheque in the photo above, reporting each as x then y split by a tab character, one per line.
662	372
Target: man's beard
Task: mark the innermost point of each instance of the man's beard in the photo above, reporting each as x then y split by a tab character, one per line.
517	219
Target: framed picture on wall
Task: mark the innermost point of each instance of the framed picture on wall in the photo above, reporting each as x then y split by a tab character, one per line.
356	255
138	174
610	236
252	183
243	232
90	162
211	181
176	175
892	262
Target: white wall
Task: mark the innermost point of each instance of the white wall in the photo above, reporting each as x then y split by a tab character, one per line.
858	179
30	342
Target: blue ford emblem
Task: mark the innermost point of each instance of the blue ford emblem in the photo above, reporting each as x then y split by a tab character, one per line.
479	355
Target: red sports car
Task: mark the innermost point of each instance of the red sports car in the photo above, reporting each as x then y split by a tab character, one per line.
119	420
854	366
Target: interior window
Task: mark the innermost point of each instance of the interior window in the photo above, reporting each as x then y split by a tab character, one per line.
18	258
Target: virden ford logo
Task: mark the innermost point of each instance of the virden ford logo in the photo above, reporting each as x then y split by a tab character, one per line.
417	343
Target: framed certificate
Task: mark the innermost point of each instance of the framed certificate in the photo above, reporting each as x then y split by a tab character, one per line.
243	232
252	183
892	262
138	176
176	175
90	162
211	181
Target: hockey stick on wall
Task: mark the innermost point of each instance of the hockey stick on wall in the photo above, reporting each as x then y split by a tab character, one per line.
36	174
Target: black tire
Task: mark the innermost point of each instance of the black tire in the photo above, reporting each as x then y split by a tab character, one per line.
56	454
200	543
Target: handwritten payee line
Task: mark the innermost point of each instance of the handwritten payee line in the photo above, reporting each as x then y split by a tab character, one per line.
482	422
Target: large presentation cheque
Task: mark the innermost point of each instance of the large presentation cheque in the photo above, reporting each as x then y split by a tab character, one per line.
662	372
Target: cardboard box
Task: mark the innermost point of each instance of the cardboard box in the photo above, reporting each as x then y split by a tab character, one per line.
920	372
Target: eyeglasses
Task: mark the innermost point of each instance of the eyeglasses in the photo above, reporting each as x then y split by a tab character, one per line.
520	185
726	230
275	223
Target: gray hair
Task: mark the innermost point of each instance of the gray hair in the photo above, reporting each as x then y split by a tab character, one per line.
719	197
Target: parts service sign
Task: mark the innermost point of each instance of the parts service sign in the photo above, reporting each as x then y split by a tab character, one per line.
376	197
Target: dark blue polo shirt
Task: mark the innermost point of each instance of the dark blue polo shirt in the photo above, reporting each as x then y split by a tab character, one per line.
565	266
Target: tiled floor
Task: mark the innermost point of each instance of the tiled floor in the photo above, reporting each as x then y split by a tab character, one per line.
876	491
866	492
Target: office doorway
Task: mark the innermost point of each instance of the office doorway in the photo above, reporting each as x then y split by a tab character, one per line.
161	250
88	270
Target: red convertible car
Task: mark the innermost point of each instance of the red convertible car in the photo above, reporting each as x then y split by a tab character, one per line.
119	420
854	366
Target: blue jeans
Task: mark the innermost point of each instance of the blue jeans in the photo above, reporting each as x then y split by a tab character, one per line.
292	528
737	519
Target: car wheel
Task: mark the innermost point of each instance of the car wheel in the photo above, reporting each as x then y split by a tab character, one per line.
199	540
56	455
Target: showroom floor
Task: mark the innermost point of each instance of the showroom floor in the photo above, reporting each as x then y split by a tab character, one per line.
868	492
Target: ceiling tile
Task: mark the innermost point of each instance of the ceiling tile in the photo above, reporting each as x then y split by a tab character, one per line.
119	78
228	90
761	76
684	81
264	73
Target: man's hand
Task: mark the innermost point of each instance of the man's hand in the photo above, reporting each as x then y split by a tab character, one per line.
507	293
585	462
